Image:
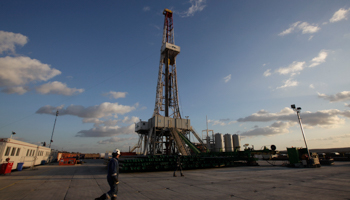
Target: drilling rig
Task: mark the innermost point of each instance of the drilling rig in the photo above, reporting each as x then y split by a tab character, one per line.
166	133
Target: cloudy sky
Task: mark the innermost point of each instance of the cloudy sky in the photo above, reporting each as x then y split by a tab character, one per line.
242	64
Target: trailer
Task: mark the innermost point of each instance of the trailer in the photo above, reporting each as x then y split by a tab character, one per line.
22	154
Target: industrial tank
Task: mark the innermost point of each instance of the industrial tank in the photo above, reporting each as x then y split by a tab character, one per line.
219	143
228	142
236	141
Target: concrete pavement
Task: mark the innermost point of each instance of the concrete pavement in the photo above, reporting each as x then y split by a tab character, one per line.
88	181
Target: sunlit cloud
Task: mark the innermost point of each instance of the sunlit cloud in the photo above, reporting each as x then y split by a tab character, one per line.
20	71
196	6
9	40
292	68
341	96
227	78
57	88
146	8
105	109
322	118
115	95
304	27
289	83
341	14
321	58
267	73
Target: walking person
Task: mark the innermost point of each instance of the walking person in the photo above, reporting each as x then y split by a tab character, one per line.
112	177
178	165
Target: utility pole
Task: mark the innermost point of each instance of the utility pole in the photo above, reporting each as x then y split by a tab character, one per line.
53	129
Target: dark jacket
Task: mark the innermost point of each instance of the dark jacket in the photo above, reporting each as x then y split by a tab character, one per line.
113	169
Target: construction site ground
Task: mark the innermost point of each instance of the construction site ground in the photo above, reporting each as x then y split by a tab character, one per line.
88	181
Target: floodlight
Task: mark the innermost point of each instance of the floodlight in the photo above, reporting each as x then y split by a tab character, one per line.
299	108
292	106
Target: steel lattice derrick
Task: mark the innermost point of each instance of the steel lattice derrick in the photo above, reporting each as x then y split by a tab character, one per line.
167	87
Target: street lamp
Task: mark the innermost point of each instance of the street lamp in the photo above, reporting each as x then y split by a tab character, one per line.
53	129
297	110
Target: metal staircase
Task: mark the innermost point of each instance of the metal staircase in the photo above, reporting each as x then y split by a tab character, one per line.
180	143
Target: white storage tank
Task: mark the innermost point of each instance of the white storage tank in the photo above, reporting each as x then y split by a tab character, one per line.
219	143
236	141
228	142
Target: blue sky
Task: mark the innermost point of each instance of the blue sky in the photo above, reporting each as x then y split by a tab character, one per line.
242	64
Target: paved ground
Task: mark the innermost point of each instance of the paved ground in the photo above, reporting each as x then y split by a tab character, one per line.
88	181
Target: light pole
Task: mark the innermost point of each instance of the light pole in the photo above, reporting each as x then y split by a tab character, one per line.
53	129
297	110
13	133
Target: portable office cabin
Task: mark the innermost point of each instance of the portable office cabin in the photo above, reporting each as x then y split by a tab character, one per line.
159	121
22	152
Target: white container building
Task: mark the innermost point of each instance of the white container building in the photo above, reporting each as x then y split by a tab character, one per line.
22	152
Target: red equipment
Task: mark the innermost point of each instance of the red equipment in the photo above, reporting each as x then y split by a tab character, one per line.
67	161
6	168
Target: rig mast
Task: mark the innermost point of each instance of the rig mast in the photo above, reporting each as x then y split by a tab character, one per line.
167	91
166	132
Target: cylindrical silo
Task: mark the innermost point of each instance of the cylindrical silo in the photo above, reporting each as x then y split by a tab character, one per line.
228	142
219	143
236	141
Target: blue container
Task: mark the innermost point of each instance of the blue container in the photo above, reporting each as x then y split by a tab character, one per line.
19	166
43	162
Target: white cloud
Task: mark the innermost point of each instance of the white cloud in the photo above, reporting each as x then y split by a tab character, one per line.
115	140
19	71
57	88
221	122
341	96
131	120
115	95
322	118
146	8
292	68
16	89
312	86
98	122
304	27
275	129
107	131
319	59
105	109
307	28
341	14
9	40
155	26
196	6
216	122
290	29
310	37
227	78
347	105
289	83
267	73
345	136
